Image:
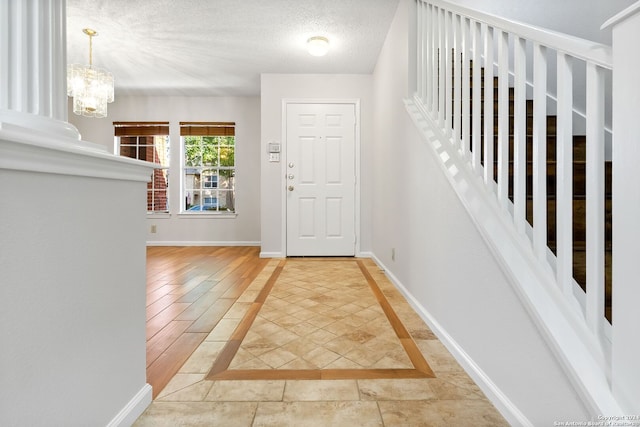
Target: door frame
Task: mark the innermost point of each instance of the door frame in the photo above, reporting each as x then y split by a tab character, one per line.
283	165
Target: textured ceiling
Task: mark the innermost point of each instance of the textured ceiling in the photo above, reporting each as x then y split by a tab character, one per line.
220	47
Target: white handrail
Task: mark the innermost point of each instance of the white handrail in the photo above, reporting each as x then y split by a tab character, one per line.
622	16
586	50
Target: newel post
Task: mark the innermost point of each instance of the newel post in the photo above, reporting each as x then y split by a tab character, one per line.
626	208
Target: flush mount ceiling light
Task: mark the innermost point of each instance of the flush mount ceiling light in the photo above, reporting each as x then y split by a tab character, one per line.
90	87
318	46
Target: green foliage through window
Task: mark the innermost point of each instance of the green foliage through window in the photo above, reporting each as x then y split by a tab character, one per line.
209	173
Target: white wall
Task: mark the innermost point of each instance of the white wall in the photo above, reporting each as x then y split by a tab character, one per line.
275	88
580	18
626	316
185	229
72	290
445	265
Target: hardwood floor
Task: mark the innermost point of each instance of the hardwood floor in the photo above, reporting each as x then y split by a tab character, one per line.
189	289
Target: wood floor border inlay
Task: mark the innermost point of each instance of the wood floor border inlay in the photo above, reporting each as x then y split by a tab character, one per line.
220	368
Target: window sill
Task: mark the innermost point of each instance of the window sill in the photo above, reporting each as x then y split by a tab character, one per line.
162	215
194	215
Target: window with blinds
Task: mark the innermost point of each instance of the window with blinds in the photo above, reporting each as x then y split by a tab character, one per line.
148	141
208	166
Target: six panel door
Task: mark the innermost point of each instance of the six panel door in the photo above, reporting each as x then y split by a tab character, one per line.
320	179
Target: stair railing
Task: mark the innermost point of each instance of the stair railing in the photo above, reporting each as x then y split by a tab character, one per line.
459	53
452	43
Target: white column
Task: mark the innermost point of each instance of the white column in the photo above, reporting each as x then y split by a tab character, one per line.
33	66
625	371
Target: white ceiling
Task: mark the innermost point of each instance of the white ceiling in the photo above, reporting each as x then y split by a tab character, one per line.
220	47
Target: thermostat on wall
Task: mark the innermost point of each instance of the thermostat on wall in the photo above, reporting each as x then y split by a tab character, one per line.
274	151
274	147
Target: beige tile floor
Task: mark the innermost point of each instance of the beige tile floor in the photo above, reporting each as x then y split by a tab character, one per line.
323	294
321	321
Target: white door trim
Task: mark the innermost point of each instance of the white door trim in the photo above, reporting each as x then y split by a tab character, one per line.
283	164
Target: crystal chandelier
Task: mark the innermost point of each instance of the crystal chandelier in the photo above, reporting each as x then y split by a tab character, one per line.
90	87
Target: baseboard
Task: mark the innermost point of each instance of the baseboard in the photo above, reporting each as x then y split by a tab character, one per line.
200	243
272	255
136	406
281	255
502	403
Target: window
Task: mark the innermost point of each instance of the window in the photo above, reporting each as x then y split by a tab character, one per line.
148	141
208	166
211	181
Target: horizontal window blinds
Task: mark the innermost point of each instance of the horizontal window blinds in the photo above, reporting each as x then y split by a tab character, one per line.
207	129
141	128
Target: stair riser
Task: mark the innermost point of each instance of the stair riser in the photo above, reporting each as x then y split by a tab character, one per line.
579	148
550	131
495	107
579	179
579	222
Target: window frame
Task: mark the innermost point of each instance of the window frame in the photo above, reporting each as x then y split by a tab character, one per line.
203	186
145	130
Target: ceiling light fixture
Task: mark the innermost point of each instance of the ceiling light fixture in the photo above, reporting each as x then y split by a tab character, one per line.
90	87
318	46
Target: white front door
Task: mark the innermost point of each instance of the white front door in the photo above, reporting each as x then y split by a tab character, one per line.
320	179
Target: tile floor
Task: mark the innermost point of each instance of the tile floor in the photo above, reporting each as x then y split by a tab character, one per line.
321	316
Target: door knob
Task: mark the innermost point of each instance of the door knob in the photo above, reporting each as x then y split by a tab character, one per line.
290	164
290	176
290	188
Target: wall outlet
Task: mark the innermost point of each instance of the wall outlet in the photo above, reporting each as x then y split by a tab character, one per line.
153	228
393	254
